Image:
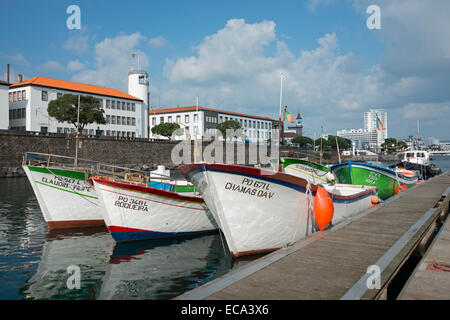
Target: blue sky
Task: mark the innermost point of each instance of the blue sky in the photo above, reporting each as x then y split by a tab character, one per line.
231	53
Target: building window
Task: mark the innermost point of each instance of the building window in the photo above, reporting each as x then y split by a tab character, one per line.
178	119
133	121
66	130
133	107
113	104
59	130
153	121
24	95
128	106
113	119
108	104
220	119
10	97
108	119
186	118
196	117
119	120
15	96
44	96
128	121
161	120
58	95
169	119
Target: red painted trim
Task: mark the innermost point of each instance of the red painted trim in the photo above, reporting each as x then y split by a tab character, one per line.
165	203
125	229
149	190
69	224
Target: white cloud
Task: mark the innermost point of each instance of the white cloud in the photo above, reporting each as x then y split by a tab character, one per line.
19	59
75	65
112	61
52	65
77	44
157	42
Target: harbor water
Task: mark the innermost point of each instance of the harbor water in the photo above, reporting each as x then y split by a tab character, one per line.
38	264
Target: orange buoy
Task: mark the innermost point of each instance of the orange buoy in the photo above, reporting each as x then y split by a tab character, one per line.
374	200
323	208
403	186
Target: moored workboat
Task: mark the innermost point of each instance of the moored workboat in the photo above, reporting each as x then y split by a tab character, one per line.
389	182
138	212
311	171
262	210
65	198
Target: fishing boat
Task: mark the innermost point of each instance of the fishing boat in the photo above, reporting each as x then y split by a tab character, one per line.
314	172
388	181
64	196
135	211
262	210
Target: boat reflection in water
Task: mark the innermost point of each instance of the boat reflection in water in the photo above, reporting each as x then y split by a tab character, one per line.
153	269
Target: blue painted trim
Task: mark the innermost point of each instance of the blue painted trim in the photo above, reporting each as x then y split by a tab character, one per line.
125	236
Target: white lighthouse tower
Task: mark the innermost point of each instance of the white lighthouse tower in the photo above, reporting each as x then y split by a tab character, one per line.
138	86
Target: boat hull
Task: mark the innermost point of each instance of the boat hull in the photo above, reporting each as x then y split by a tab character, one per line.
363	174
66	199
140	213
261	211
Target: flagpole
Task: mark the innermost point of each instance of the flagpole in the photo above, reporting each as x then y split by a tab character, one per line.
279	123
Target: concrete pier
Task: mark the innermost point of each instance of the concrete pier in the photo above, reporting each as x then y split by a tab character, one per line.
343	262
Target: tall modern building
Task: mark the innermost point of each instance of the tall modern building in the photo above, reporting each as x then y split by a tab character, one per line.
126	114
370	122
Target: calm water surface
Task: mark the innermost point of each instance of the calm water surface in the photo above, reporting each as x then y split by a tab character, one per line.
34	262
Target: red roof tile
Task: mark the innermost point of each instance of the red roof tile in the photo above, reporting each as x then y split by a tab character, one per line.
193	108
74	86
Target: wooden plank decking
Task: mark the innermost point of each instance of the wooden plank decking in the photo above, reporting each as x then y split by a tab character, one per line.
333	264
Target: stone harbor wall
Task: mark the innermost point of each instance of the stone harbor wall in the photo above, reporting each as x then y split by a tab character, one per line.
136	153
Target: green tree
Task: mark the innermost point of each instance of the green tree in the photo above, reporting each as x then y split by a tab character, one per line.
65	109
303	141
390	145
228	125
343	142
165	129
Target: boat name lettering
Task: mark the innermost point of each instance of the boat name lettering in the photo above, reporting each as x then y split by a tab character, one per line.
133	204
67	183
373	177
261	193
303	167
256	184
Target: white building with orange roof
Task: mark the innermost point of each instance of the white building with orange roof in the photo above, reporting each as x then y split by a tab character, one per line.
200	122
126	115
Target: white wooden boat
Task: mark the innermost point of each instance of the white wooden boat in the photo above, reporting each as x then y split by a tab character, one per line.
138	212
262	210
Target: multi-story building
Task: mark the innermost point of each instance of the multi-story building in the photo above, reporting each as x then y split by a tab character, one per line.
200	122
370	122
4	107
371	136
126	115
362	138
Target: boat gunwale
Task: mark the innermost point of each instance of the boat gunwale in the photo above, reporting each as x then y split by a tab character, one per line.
276	177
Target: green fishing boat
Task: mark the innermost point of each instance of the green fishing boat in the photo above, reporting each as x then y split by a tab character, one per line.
388	181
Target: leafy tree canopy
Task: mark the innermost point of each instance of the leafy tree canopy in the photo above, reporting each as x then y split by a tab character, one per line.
165	129
65	109
303	141
228	125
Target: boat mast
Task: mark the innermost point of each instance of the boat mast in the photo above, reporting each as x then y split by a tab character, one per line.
280	122
78	128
